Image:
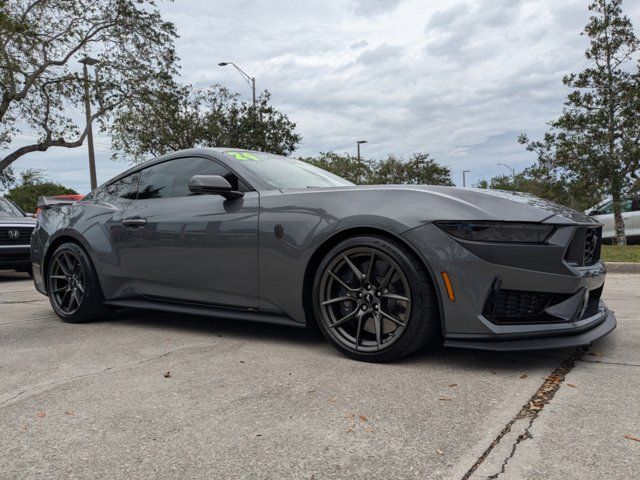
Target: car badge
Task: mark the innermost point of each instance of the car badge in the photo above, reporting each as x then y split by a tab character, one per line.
14	234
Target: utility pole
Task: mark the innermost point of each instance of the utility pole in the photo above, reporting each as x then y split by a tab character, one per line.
464	177
87	107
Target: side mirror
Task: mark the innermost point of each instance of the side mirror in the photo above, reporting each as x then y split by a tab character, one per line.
213	185
593	212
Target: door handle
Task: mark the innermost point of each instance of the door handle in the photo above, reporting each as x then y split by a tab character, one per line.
134	222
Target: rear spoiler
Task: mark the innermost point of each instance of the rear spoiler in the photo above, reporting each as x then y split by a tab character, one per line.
45	203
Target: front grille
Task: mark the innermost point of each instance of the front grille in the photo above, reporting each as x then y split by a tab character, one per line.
515	306
592	246
584	249
593	303
15	257
23	235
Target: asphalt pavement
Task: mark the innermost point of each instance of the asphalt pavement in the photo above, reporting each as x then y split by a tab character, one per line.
151	395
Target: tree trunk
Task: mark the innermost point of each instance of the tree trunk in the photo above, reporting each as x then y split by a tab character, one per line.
621	238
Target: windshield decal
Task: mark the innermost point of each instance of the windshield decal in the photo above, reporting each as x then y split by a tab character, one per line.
243	156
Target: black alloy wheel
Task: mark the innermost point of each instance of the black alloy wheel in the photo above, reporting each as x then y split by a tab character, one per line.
66	282
73	286
373	300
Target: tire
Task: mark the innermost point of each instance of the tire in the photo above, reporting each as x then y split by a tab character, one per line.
367	316
72	283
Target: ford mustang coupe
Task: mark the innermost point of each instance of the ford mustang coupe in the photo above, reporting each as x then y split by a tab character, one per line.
382	270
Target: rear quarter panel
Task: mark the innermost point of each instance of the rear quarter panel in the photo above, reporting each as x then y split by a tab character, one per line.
88	224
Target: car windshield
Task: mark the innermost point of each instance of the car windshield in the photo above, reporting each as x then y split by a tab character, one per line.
8	209
284	172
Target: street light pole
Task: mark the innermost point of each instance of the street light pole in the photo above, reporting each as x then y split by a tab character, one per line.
513	170
87	107
247	78
358	143
464	177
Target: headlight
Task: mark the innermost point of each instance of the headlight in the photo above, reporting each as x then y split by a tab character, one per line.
498	231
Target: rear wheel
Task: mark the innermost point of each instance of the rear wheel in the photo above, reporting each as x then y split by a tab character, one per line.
373	300
74	290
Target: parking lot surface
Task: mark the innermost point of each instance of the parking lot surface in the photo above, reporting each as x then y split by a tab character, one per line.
145	395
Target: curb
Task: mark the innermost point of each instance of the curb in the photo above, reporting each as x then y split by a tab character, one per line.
622	267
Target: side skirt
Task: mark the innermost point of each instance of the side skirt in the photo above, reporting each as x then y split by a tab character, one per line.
206	311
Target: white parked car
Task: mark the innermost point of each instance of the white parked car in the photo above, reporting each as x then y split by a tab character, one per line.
603	212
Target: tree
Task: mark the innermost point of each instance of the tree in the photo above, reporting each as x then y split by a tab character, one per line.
40	44
596	140
33	185
7	179
537	181
181	116
419	169
345	166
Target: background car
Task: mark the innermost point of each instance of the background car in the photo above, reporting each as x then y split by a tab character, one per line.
59	200
603	213
15	233
381	270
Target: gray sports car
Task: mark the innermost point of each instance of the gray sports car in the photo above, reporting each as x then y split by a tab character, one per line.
382	270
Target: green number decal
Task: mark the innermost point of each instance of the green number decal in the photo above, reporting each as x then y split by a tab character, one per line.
242	156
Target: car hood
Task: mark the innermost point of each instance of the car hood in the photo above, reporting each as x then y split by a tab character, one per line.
17	220
452	203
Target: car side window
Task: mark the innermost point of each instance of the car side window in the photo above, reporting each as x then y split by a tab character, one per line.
635	205
126	187
606	209
625	206
171	179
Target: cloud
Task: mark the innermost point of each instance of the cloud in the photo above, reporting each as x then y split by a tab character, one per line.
459	79
374	7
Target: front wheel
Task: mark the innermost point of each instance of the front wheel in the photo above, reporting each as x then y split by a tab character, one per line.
373	300
73	286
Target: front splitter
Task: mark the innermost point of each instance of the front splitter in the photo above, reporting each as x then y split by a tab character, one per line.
542	342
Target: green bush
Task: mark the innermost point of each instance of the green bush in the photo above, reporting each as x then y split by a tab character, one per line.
33	185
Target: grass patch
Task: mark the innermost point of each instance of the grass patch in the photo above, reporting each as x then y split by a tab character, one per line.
621	253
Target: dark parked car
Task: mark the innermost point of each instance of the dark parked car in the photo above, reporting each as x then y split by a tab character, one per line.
15	233
382	270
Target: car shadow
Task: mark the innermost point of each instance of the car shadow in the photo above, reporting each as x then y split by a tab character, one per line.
433	354
216	326
12	276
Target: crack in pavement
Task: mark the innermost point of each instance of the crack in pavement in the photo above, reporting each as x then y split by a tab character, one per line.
610	363
15	302
530	410
18	291
38	319
55	383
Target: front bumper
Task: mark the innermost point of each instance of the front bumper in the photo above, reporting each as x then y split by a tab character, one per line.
15	257
536	269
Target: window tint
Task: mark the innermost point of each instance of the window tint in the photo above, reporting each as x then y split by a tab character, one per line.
126	187
171	179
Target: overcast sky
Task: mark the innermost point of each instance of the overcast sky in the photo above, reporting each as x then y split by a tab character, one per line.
457	79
